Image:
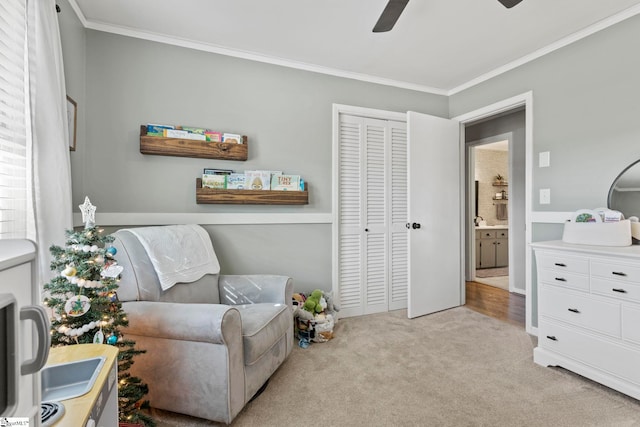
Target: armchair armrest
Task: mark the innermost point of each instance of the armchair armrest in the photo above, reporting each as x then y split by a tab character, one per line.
211	323
255	288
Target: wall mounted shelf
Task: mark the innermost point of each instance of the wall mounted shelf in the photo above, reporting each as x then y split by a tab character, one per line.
162	146
250	197
500	184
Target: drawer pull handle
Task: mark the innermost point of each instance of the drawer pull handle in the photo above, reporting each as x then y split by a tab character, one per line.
619	273
574	310
619	290
552	338
561	279
559	264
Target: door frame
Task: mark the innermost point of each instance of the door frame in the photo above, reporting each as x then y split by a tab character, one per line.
471	235
526	100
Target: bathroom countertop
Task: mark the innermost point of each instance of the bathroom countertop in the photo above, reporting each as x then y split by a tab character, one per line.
492	227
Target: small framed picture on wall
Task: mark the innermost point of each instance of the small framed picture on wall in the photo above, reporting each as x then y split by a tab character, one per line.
72	118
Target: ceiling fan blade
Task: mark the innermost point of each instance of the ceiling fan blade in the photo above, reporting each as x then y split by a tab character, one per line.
509	3
390	15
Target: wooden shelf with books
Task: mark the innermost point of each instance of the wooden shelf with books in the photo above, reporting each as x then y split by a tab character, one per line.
162	146
250	197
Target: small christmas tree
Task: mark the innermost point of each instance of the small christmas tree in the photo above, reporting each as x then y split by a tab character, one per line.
84	301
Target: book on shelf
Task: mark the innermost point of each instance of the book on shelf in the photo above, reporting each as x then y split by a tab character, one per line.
210	171
214	181
157	130
232	138
282	182
213	136
258	180
236	181
182	134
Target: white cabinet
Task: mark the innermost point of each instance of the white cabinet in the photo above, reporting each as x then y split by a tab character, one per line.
589	312
372	241
492	248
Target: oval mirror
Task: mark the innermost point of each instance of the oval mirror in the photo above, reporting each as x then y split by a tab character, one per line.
624	194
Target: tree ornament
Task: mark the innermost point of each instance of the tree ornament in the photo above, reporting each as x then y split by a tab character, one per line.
88	213
113	339
98	338
77	306
112	271
111	251
70	271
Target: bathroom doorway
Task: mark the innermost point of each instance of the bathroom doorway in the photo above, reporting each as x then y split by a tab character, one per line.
496	157
491	220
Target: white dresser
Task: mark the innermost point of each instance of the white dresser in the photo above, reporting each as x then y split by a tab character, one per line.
589	312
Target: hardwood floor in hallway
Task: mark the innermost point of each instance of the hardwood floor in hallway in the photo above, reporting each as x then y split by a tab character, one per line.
496	302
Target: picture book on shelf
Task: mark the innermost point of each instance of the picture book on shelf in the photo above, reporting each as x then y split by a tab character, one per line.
258	180
209	171
214	181
232	138
236	181
285	182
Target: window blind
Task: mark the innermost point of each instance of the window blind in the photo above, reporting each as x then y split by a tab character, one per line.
13	124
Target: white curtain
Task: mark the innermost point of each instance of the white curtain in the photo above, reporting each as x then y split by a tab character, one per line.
50	203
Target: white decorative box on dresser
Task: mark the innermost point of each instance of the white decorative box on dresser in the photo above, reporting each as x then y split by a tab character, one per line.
589	312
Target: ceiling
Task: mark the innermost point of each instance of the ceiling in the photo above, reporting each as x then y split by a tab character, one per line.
438	46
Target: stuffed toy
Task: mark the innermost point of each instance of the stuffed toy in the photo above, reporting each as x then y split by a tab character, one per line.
316	302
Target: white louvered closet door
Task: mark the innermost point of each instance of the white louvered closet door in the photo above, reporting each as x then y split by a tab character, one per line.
399	214
372	238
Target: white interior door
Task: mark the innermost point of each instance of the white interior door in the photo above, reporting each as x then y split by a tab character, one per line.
435	255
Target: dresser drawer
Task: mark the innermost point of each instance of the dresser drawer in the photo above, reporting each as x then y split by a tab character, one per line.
631	324
622	272
580	309
564	278
563	263
615	289
619	360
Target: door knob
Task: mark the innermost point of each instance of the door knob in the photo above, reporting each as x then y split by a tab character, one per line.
415	225
366	229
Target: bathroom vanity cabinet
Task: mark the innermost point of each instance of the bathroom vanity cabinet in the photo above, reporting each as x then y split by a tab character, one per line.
492	247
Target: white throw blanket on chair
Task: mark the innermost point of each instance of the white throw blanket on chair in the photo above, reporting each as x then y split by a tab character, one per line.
179	253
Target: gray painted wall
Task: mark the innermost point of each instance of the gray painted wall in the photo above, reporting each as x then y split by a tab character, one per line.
286	114
585	112
73	39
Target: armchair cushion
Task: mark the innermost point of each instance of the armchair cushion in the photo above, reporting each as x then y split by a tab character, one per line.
263	325
186	322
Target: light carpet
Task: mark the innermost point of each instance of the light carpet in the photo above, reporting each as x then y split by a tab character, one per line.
453	368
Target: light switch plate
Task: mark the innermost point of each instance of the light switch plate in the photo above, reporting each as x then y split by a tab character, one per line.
544	159
545	196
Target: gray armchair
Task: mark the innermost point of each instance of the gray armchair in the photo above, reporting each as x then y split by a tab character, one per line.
210	344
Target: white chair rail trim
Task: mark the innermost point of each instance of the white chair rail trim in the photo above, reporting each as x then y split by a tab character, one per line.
147	218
